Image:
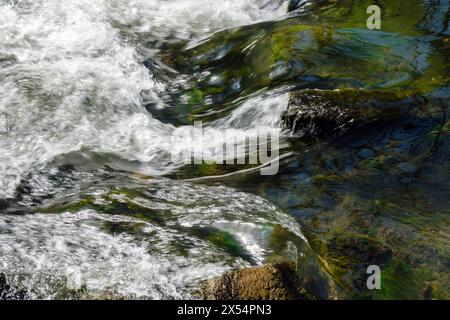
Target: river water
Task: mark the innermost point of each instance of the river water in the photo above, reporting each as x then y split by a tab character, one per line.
92	203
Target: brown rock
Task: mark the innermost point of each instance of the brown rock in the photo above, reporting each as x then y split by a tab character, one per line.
277	281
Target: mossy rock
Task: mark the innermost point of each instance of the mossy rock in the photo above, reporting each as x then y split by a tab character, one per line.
278	281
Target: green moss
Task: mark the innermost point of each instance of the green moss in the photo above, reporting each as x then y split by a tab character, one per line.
116	202
397	16
86	203
399	281
195	97
212	169
227	241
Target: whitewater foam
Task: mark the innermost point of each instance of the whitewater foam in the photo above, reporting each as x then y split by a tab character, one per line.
87	254
72	78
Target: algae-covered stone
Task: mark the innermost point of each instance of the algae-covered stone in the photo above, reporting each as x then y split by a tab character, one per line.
277	281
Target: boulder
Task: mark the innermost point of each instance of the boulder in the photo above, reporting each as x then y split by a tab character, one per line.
277	281
323	114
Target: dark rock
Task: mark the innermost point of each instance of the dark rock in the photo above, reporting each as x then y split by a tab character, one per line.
278	281
323	114
3	204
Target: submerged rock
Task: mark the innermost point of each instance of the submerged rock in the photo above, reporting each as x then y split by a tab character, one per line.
277	281
323	114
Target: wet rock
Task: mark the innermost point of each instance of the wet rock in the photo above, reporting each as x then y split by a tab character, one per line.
323	114
277	281
3	204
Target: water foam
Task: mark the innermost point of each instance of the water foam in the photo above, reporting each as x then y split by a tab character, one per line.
92	255
70	79
71	254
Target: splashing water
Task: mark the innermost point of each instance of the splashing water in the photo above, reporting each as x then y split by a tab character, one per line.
72	78
71	81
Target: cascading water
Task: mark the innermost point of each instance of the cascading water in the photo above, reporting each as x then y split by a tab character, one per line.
72	78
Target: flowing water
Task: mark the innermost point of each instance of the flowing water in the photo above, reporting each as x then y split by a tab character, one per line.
94	206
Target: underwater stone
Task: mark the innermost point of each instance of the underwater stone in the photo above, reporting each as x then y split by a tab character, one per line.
277	281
